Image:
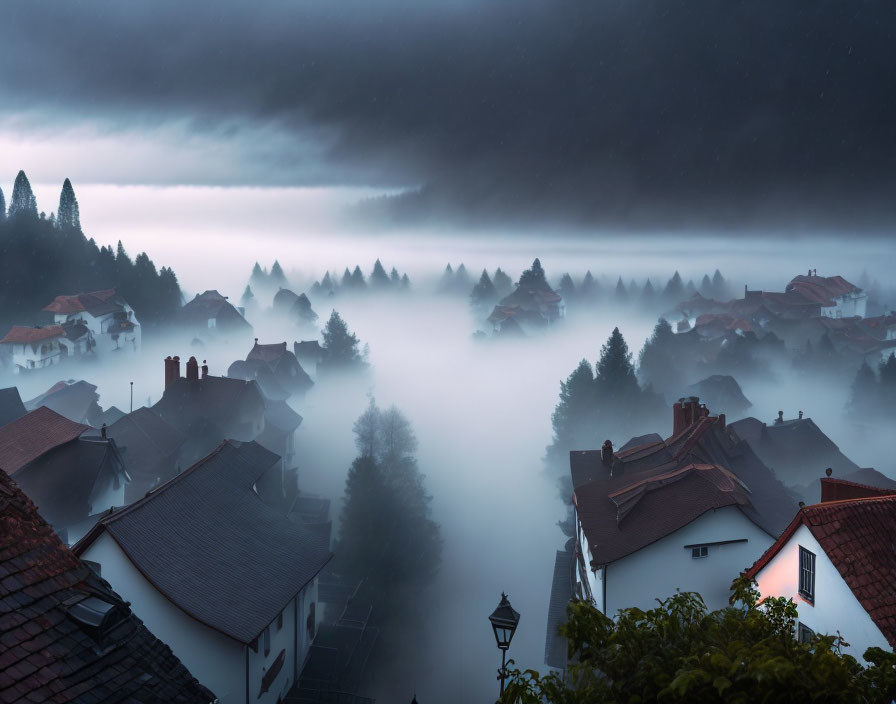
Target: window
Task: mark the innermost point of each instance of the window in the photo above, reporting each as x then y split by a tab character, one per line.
807	574
279	621
699	551
267	641
804	634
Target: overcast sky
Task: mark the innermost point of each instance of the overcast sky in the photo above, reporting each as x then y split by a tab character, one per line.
567	110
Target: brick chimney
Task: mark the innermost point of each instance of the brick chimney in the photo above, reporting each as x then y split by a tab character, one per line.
192	369
204	369
172	370
780	418
678	417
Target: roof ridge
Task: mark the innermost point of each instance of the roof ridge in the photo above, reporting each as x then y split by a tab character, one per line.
152	493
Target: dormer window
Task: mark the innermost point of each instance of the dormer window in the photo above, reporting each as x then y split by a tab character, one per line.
95	616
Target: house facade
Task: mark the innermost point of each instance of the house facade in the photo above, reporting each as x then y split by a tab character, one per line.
108	318
26	348
836	560
73	479
235	599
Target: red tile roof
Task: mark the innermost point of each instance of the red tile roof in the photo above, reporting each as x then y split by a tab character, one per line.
66	305
622	515
841	489
858	536
20	334
820	289
50	653
33	435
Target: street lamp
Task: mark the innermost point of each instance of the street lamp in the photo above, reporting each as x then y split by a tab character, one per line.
504	622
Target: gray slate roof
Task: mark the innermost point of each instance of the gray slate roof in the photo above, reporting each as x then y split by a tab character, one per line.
214	548
555	647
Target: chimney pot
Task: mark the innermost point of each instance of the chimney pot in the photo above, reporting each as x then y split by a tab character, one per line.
780	417
606	453
103	432
828	472
801	415
204	369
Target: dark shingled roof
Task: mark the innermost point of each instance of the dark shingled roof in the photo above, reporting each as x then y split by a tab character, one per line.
209	543
266	353
857	536
75	400
46	653
148	440
11	406
33	435
555	646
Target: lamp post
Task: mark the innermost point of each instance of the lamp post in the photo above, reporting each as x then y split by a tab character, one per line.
504	622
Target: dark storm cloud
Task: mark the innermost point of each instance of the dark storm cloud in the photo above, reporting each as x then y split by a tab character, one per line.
592	109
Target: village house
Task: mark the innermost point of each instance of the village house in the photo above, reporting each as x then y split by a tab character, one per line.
212	312
836	561
685	510
25	349
275	368
796	450
835	295
236	598
528	305
71	478
76	400
208	409
151	449
67	637
108	318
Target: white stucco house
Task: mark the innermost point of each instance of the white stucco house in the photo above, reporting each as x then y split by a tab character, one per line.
109	319
661	515
228	581
836	561
26	348
837	297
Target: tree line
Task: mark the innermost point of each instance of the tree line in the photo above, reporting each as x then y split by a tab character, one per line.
43	256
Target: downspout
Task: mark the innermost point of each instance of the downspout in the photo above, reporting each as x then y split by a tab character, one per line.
605	588
247	674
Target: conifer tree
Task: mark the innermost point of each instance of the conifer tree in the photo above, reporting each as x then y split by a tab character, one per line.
461	278
534	276
258	277
502	282
621	294
2	206
340	345
674	291
346	278
248	297
574	418
706	288
358	278
657	363
379	278
648	294
484	292
22	202
405	282
567	288
690	289
277	276
588	287
864	388
615	373
326	283
633	289
68	213
719	286
395	277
